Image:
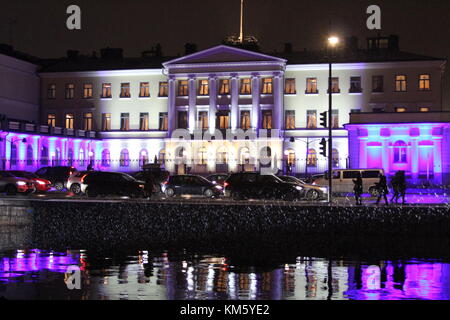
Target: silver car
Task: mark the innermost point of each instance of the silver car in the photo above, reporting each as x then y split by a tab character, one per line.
75	182
311	192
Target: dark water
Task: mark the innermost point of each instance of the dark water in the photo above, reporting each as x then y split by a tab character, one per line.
140	274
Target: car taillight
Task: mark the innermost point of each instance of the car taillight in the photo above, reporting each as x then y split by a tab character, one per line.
226	184
166	182
82	178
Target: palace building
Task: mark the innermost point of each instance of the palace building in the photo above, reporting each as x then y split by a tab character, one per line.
236	109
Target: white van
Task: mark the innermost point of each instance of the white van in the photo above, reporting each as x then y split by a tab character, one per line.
343	180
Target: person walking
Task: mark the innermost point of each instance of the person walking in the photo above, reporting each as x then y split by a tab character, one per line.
402	185
149	182
382	189
395	187
358	188
90	167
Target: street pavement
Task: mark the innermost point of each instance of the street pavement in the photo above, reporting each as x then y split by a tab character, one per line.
414	199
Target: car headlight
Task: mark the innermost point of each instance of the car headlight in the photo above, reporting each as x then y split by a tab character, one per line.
325	190
218	187
299	188
40	182
141	186
21	183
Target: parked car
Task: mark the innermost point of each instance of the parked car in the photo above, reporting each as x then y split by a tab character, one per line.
58	176
218	178
155	173
13	185
42	185
96	183
191	185
310	192
343	180
246	185
75	180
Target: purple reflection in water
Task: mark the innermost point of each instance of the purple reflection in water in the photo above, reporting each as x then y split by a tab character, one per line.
35	261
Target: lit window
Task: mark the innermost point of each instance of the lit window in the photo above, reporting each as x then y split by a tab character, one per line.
335	158
124	160
182	120
88	121
312	158
290	119
162	156
106	121
203	88
163	89
424	82
69	120
70	91
267	86
125	90
203	120
424	109
202	156
143	157
267	119
400	109
224	86
183	89
124	121
106	158
223	120
311	119
144	122
400	152
51	92
377	83
400	83
335	118
245	120
30	157
163	121
291	157
246	86
311	85
87	91
289	87
335	85
51	120
106	90
355	85
144	91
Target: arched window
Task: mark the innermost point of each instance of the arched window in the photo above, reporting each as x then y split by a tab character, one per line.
400	152
222	156
245	156
57	157
291	157
266	157
44	156
70	157
312	158
335	158
13	157
202	155
106	158
124	160
162	156
81	158
29	155
143	157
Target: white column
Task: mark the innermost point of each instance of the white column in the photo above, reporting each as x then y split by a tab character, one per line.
414	156
192	103
172	116
212	103
385	155
256	80
278	105
234	102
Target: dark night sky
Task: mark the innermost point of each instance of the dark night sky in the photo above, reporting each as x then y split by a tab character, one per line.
423	26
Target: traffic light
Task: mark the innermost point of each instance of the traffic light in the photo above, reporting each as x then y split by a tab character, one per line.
323	119
323	147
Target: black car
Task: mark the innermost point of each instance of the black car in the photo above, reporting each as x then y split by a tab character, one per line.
57	176
191	185
156	176
253	185
218	178
112	183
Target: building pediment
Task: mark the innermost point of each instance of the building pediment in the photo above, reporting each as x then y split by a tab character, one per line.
223	54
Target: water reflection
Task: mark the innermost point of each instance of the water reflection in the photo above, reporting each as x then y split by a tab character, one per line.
36	274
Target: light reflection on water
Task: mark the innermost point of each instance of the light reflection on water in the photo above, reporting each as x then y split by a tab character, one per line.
35	274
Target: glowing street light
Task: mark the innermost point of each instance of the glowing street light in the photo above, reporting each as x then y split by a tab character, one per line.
333	41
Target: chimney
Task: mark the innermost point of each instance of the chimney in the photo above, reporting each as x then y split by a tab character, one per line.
288	47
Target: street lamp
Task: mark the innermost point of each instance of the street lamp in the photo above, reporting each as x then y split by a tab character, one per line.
332	43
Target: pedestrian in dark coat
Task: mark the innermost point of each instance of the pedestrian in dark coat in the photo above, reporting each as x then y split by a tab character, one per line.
149	181
402	185
395	187
358	188
382	189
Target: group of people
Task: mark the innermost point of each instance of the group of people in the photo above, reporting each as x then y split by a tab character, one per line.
398	183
